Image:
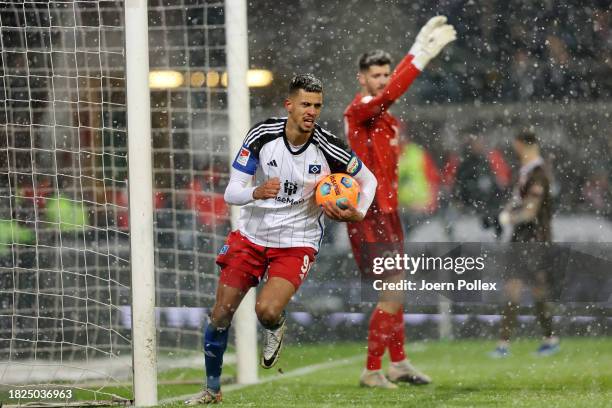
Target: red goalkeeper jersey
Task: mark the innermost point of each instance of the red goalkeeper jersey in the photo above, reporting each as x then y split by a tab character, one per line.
373	132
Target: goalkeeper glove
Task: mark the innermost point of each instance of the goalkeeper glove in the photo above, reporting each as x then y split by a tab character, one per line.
434	42
434	22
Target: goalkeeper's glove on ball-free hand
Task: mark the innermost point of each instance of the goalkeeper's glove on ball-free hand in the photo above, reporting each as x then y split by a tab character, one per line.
437	39
421	38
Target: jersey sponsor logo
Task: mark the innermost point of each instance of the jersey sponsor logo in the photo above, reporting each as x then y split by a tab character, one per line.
289	200
243	156
290	187
272	163
224	249
353	166
314	169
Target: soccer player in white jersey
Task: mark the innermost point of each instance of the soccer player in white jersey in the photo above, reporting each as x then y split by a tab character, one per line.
280	226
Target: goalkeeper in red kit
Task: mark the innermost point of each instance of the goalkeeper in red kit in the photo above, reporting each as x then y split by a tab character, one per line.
373	134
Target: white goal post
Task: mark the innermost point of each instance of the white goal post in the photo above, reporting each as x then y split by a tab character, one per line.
236	36
141	211
142	257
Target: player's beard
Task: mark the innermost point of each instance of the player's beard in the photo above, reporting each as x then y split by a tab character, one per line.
374	89
378	91
304	129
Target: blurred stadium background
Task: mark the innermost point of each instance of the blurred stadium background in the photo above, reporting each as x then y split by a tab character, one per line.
516	64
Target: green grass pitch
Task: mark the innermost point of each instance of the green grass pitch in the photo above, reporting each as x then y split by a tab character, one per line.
579	376
463	374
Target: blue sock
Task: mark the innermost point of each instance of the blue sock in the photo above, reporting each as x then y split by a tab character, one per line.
215	343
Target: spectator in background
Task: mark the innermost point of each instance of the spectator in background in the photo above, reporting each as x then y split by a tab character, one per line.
597	195
419	180
525	75
212	212
68	214
602	32
14	232
558	72
481	182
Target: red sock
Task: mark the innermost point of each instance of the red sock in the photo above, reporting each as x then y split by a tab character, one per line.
396	341
379	333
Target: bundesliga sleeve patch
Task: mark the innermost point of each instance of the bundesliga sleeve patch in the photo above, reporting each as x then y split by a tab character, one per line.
353	166
245	161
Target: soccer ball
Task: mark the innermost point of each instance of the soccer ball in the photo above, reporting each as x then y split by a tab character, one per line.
339	188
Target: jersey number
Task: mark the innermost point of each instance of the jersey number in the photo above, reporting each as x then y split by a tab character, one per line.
305	267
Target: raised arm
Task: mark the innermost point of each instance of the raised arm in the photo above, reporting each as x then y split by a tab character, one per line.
373	106
434	36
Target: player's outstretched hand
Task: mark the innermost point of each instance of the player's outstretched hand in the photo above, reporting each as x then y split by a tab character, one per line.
338	214
436	40
439	38
423	35
269	189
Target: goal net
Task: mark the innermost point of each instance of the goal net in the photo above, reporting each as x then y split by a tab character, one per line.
65	314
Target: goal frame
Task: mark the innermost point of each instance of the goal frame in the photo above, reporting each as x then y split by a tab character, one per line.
144	343
140	168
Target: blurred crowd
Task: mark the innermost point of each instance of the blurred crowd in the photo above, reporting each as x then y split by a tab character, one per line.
190	210
522	50
477	179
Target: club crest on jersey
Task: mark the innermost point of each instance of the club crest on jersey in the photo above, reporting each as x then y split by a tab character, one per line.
243	156
223	249
353	166
314	169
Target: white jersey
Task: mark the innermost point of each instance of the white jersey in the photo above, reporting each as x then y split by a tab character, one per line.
292	218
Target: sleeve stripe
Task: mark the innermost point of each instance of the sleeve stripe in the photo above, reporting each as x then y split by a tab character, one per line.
343	155
326	147
326	140
261	126
327	133
333	150
256	132
277	121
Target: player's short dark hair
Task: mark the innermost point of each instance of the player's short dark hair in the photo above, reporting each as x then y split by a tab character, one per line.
527	137
374	57
307	82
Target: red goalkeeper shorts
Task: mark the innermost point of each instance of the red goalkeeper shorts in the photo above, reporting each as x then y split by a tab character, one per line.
379	234
243	263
